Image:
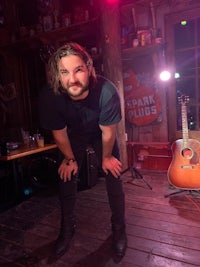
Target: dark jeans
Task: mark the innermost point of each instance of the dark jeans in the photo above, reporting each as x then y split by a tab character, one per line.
68	191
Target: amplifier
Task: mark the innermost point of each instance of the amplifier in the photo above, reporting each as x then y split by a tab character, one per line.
89	170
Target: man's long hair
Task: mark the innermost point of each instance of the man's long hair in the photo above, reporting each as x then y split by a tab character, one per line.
67	50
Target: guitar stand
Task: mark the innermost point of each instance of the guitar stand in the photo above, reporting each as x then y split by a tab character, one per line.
182	191
135	174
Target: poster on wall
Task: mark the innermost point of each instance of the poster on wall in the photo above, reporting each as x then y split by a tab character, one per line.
142	104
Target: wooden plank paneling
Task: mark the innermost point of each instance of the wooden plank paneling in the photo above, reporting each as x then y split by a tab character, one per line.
161	231
111	47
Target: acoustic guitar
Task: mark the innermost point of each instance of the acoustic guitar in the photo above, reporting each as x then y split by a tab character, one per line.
184	170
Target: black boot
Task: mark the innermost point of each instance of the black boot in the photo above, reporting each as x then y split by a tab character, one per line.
119	240
117	204
67	193
62	243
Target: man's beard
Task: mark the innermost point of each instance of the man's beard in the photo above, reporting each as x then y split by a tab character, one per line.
78	84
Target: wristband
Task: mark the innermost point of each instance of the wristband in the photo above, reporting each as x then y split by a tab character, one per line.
67	161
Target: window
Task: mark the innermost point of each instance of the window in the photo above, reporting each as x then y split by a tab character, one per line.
183	56
187	65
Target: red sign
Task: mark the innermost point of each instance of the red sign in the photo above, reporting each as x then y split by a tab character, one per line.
142	105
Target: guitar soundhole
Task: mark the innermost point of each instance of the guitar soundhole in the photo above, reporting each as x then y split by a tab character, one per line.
187	153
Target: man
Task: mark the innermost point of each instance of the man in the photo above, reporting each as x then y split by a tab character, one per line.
83	110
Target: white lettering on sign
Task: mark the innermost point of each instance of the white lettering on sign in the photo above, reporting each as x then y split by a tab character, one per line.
141	112
141	102
141	107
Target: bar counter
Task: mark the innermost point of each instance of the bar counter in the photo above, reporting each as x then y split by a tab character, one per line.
24	151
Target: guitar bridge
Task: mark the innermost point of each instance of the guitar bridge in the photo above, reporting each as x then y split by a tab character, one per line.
187	167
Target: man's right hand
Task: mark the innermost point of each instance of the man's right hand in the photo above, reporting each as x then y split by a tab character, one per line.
66	171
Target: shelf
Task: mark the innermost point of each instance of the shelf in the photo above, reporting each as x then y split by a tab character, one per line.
133	52
70	33
76	30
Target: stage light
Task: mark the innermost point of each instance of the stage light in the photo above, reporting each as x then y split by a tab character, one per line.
165	75
112	1
177	75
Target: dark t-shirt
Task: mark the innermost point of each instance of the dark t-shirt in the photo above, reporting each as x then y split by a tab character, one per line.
81	117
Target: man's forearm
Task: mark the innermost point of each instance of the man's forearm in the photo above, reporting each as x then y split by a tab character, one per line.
108	140
107	147
63	143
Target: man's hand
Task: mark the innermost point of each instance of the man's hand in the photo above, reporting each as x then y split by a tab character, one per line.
66	171
113	165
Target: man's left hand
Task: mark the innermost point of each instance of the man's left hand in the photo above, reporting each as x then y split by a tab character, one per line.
113	165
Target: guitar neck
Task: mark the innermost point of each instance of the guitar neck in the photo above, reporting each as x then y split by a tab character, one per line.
184	125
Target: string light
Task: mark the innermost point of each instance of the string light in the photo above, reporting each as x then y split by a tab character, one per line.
183	22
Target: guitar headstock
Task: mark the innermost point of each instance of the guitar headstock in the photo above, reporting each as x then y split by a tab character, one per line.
183	99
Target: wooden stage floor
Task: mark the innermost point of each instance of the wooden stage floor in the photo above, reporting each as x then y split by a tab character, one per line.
161	231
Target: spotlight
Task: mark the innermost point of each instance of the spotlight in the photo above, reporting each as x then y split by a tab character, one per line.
112	1
165	75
